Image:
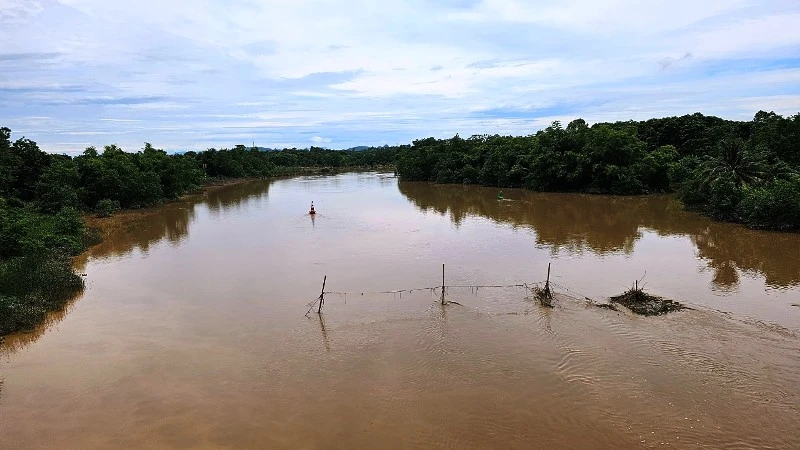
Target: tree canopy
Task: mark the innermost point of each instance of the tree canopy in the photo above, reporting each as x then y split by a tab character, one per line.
730	170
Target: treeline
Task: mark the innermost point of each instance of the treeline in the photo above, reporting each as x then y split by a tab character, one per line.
43	197
746	172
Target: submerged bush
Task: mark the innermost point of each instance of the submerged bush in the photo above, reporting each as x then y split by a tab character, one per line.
33	285
35	264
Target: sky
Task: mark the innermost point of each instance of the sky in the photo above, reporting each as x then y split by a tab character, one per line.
196	74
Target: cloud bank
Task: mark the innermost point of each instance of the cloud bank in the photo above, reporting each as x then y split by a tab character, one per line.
193	74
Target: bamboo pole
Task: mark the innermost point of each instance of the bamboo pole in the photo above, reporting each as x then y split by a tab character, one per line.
322	295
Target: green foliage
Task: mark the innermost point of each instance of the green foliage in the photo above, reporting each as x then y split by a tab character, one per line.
58	185
736	162
33	285
775	205
658	166
35	266
724	195
106	207
25	231
601	159
713	164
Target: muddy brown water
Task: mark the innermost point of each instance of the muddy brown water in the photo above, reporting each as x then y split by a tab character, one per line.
191	332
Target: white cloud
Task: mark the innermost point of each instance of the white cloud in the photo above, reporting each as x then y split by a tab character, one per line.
204	73
18	10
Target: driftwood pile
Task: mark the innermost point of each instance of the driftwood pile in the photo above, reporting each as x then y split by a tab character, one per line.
642	303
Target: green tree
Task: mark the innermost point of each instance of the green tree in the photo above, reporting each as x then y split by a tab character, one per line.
734	162
58	185
775	205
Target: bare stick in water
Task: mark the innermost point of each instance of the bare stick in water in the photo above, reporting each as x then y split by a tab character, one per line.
322	295
443	284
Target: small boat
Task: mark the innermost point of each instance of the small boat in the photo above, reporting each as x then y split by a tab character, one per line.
500	195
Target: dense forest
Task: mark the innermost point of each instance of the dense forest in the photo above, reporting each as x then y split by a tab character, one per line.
44	196
746	172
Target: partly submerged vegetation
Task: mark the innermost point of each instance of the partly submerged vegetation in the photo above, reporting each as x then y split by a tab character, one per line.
36	274
746	172
644	304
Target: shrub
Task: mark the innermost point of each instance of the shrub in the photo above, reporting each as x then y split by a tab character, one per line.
774	205
33	285
106	207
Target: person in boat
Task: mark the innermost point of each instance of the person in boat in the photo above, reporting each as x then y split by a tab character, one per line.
312	209
500	195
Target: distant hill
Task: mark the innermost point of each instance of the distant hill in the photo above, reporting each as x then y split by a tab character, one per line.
365	147
358	148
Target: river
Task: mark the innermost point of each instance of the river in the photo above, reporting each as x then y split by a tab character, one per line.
191	332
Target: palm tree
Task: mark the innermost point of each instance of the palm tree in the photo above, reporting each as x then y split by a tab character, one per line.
736	162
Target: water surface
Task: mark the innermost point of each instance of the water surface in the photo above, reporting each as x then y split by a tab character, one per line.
191	332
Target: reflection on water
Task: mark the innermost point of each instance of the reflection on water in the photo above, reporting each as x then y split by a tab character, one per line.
573	223
236	197
171	222
17	342
731	250
602	224
145	229
325	339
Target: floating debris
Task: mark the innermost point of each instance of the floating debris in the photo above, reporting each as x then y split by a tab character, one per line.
544	296
606	306
645	304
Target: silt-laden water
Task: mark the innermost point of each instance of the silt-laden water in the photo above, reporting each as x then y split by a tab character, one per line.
191	332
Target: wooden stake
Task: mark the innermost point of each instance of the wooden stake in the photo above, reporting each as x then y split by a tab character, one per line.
548	274
547	283
443	284
547	295
322	295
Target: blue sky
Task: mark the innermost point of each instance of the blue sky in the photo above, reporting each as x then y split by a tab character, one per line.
194	74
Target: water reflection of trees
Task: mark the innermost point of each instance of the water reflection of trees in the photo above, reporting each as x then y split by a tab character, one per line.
16	342
602	225
236	197
142	230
